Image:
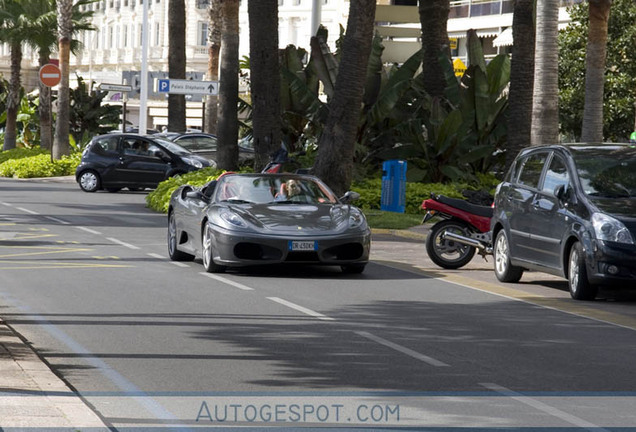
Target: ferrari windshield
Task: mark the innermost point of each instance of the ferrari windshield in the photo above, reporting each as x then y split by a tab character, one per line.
607	172
274	189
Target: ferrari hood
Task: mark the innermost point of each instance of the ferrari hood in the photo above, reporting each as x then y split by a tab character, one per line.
297	219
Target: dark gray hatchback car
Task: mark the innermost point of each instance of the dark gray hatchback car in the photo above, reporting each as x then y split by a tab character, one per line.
569	210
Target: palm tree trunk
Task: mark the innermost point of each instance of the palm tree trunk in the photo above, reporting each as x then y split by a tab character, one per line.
212	102
265	79
433	20
521	80
592	129
545	107
61	145
334	163
13	98
46	118
227	153
176	63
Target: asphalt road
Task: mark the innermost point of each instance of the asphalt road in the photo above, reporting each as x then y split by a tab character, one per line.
150	343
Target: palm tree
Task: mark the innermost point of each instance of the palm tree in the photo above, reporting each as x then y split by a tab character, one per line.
176	63
545	107
592	129
433	19
334	163
61	144
13	30
43	36
521	79
228	87
214	33
264	78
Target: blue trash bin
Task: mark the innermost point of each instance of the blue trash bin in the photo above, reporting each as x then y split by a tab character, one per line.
393	186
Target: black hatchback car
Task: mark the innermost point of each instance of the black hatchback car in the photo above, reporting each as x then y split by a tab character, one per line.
569	210
123	160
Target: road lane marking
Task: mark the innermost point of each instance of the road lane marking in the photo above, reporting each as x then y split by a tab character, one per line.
179	264
301	309
60	221
540	406
39	251
27	211
227	281
7	204
119	242
30	265
154	255
404	350
88	230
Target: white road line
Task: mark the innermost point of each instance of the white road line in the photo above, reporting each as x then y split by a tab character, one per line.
60	221
404	350
179	264
119	242
7	204
154	255
227	281
555	412
27	211
88	230
301	309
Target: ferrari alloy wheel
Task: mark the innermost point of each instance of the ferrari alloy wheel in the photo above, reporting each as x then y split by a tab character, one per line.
504	270
207	252
174	253
89	181
580	287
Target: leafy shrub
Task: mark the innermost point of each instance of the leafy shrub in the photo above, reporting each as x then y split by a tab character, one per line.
159	199
39	165
20	152
370	191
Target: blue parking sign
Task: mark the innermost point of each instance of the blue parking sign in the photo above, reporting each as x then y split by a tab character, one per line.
164	85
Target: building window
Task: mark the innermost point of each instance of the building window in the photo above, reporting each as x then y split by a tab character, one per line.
157	35
202	32
110	37
125	35
141	35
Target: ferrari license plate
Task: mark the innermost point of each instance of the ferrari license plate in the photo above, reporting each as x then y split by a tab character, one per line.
302	245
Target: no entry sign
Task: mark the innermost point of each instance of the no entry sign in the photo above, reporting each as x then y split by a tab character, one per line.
50	75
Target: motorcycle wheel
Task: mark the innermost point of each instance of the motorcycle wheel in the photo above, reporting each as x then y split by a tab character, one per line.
449	254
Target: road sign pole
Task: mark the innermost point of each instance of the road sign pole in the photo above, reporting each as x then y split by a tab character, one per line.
143	95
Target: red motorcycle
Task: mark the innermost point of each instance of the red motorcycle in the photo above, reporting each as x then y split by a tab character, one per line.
463	230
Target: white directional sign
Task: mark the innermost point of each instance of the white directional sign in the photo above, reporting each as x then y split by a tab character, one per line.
179	86
115	87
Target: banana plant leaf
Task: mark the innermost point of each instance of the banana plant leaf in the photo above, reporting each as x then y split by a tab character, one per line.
374	72
475	51
324	64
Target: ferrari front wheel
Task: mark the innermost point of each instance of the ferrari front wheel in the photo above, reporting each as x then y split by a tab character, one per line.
207	252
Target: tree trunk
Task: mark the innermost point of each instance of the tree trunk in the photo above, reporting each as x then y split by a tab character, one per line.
13	98
227	153
212	102
545	107
46	118
265	79
592	129
433	20
61	145
334	163
521	80
176	63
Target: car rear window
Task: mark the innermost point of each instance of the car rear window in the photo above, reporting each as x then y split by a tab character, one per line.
530	171
106	145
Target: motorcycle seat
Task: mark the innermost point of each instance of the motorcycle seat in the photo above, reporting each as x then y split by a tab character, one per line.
479	210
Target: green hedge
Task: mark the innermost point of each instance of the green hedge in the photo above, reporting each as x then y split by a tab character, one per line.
370	190
30	163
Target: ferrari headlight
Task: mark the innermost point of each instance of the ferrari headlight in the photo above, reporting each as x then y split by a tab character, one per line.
356	218
233	219
610	229
193	162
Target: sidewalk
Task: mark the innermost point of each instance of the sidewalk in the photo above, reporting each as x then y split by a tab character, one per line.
32	396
